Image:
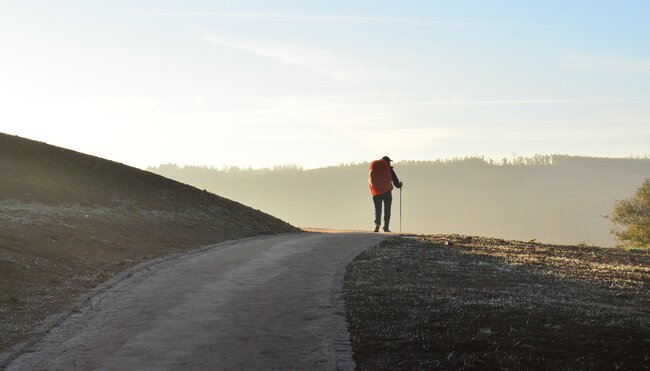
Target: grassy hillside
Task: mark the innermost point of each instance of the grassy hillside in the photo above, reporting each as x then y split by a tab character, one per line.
555	199
69	221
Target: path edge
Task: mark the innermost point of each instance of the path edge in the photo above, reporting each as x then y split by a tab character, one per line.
53	321
343	353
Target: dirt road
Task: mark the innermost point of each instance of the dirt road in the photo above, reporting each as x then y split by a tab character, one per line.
263	303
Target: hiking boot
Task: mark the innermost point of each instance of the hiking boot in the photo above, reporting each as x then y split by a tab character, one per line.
376	228
387	230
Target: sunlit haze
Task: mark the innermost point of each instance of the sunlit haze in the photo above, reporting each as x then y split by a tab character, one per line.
316	83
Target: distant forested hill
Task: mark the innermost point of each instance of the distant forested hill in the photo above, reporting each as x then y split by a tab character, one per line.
549	198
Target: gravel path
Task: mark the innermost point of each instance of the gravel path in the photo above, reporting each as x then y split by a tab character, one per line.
263	303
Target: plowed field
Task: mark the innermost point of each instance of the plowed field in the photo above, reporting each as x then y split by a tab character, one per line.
455	302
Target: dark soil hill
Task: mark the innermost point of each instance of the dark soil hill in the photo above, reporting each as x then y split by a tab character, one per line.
69	221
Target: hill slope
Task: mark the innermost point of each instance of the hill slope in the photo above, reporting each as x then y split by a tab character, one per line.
69	221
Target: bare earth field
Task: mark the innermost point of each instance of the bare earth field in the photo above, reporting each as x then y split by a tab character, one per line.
476	303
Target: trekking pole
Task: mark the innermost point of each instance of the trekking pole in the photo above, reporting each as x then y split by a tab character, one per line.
400	210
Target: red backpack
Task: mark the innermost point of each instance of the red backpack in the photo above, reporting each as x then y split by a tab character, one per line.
380	178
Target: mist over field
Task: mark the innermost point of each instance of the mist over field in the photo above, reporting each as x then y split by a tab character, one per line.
557	198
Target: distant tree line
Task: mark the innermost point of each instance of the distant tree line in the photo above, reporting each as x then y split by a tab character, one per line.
553	198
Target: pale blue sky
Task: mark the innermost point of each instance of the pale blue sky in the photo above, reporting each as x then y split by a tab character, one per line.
316	83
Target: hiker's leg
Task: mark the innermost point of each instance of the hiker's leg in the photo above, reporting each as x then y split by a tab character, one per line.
377	201
388	201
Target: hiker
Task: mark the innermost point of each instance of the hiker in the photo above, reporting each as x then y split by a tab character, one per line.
379	180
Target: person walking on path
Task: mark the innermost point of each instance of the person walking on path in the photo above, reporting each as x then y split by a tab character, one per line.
379	180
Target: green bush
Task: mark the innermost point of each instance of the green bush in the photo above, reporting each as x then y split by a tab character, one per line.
634	215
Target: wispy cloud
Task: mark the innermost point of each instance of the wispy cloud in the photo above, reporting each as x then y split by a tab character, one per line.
491	102
348	19
325	62
402	139
550	134
295	17
594	62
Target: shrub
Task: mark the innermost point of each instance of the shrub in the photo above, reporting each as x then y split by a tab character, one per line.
634	215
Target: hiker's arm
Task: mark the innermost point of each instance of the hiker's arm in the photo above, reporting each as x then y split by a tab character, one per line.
396	181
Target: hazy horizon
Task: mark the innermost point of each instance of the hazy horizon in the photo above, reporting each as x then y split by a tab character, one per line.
257	83
554	199
496	161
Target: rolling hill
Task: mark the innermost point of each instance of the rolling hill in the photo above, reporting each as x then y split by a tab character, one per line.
69	221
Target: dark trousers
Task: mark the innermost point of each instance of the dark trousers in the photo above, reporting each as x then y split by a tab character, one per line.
387	199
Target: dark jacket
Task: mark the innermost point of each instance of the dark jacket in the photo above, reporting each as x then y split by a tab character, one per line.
395	179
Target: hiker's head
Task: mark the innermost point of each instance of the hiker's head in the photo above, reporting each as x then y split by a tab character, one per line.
387	159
